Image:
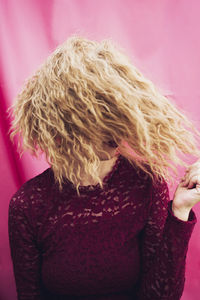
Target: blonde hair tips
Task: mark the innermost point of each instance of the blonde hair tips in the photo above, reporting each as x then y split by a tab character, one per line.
88	93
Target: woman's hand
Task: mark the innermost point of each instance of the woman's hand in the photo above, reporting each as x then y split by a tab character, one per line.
187	193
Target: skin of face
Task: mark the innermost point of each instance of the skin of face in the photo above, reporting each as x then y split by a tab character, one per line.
109	147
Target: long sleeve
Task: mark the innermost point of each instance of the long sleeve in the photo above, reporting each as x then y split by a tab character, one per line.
24	253
164	245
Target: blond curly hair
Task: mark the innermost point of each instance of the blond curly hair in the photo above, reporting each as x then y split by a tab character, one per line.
88	93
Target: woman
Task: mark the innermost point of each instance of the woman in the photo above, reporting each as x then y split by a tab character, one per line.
99	224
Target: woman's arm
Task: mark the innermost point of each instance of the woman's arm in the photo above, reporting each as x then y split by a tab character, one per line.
24	252
164	245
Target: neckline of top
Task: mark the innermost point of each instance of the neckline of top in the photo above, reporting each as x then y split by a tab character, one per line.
106	179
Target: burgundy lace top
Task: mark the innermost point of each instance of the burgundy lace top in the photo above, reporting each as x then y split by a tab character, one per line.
119	243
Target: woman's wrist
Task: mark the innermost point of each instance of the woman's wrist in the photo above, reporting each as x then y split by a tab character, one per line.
181	213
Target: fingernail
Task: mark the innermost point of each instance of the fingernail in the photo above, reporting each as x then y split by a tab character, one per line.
198	187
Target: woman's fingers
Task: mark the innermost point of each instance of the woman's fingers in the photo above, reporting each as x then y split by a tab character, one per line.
191	180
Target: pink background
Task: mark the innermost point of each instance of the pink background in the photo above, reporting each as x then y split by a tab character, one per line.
161	37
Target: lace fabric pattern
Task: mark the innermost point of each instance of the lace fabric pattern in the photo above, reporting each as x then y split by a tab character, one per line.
122	242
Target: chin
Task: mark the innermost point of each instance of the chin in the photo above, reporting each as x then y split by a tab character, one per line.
112	153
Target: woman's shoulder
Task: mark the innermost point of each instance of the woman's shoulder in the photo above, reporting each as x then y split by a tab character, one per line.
32	190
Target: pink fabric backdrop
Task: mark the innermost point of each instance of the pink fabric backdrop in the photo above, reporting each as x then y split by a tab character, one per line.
162	38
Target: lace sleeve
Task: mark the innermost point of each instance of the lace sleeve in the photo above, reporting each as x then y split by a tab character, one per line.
164	245
24	253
